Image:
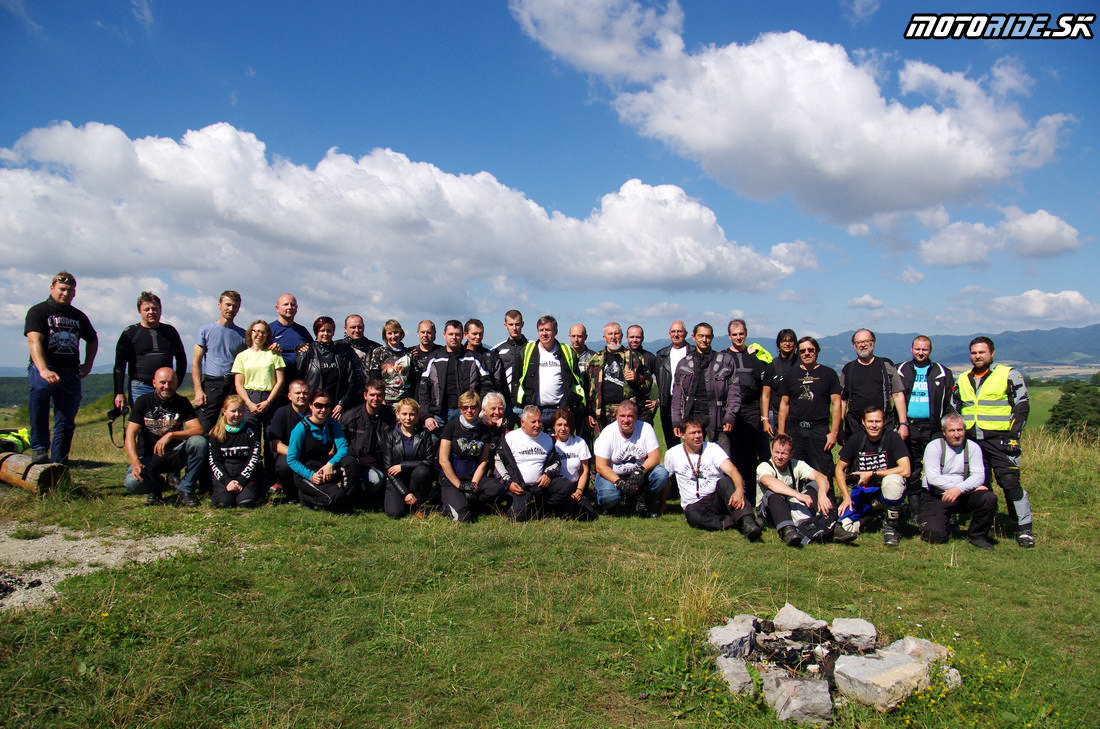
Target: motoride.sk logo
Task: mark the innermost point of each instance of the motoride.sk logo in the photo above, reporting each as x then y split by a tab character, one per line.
998	25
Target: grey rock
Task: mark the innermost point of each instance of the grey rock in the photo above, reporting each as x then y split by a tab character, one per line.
919	649
951	677
881	679
791	618
856	631
772	678
737	675
804	701
735	639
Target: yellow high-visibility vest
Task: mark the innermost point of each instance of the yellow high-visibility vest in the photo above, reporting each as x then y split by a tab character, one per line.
988	408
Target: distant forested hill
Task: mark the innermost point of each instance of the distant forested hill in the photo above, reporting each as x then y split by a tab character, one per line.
1037	347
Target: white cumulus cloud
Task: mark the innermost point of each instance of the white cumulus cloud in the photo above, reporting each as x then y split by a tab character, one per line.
789	115
382	233
1032	235
865	302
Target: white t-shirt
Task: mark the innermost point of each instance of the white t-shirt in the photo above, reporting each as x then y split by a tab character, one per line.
550	385
800	470
696	475
530	453
626	453
675	357
574	452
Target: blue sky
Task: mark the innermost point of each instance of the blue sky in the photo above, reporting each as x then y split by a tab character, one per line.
800	165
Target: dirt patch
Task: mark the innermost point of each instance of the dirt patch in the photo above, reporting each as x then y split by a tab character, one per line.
37	558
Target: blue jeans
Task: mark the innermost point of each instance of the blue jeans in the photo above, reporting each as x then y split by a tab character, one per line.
190	455
137	389
608	495
65	396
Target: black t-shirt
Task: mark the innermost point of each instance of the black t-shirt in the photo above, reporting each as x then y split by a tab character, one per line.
157	417
62	326
467	445
867	386
810	393
776	376
864	455
283	423
614	380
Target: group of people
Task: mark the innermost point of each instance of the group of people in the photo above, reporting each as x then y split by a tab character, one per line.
545	427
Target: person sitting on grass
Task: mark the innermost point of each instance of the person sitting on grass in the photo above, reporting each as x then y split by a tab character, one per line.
409	459
711	490
464	449
170	439
794	498
236	458
954	482
326	474
879	463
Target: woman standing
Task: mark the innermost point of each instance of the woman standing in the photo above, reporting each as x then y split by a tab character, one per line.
328	365
258	373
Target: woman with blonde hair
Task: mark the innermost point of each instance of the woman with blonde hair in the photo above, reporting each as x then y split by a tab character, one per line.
236	458
258	373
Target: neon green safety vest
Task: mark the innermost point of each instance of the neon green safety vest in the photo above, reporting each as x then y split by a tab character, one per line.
988	408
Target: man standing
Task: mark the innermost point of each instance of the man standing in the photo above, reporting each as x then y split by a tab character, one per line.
489	359
954	480
712	492
578	338
144	348
171	439
647	401
869	381
810	409
289	335
993	402
54	329
362	347
668	359
928	388
879	464
216	345
705	388
278	433
748	439
628	464
425	334
510	352
365	428
549	376
448	372
614	375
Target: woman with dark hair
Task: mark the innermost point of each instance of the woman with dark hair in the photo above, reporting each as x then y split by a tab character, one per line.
775	375
328	365
409	459
258	373
575	459
325	472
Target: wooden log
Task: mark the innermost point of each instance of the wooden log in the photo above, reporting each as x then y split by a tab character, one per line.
17	470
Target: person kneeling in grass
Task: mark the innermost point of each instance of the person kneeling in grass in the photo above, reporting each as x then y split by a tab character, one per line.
236	458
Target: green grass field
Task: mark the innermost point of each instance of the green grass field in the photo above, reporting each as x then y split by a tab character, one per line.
286	618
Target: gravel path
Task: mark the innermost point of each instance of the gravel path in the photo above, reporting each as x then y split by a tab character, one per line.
25	582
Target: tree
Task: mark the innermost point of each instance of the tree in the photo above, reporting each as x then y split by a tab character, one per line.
1077	409
1095	379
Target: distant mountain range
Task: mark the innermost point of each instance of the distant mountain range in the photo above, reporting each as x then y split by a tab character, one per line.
1036	350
